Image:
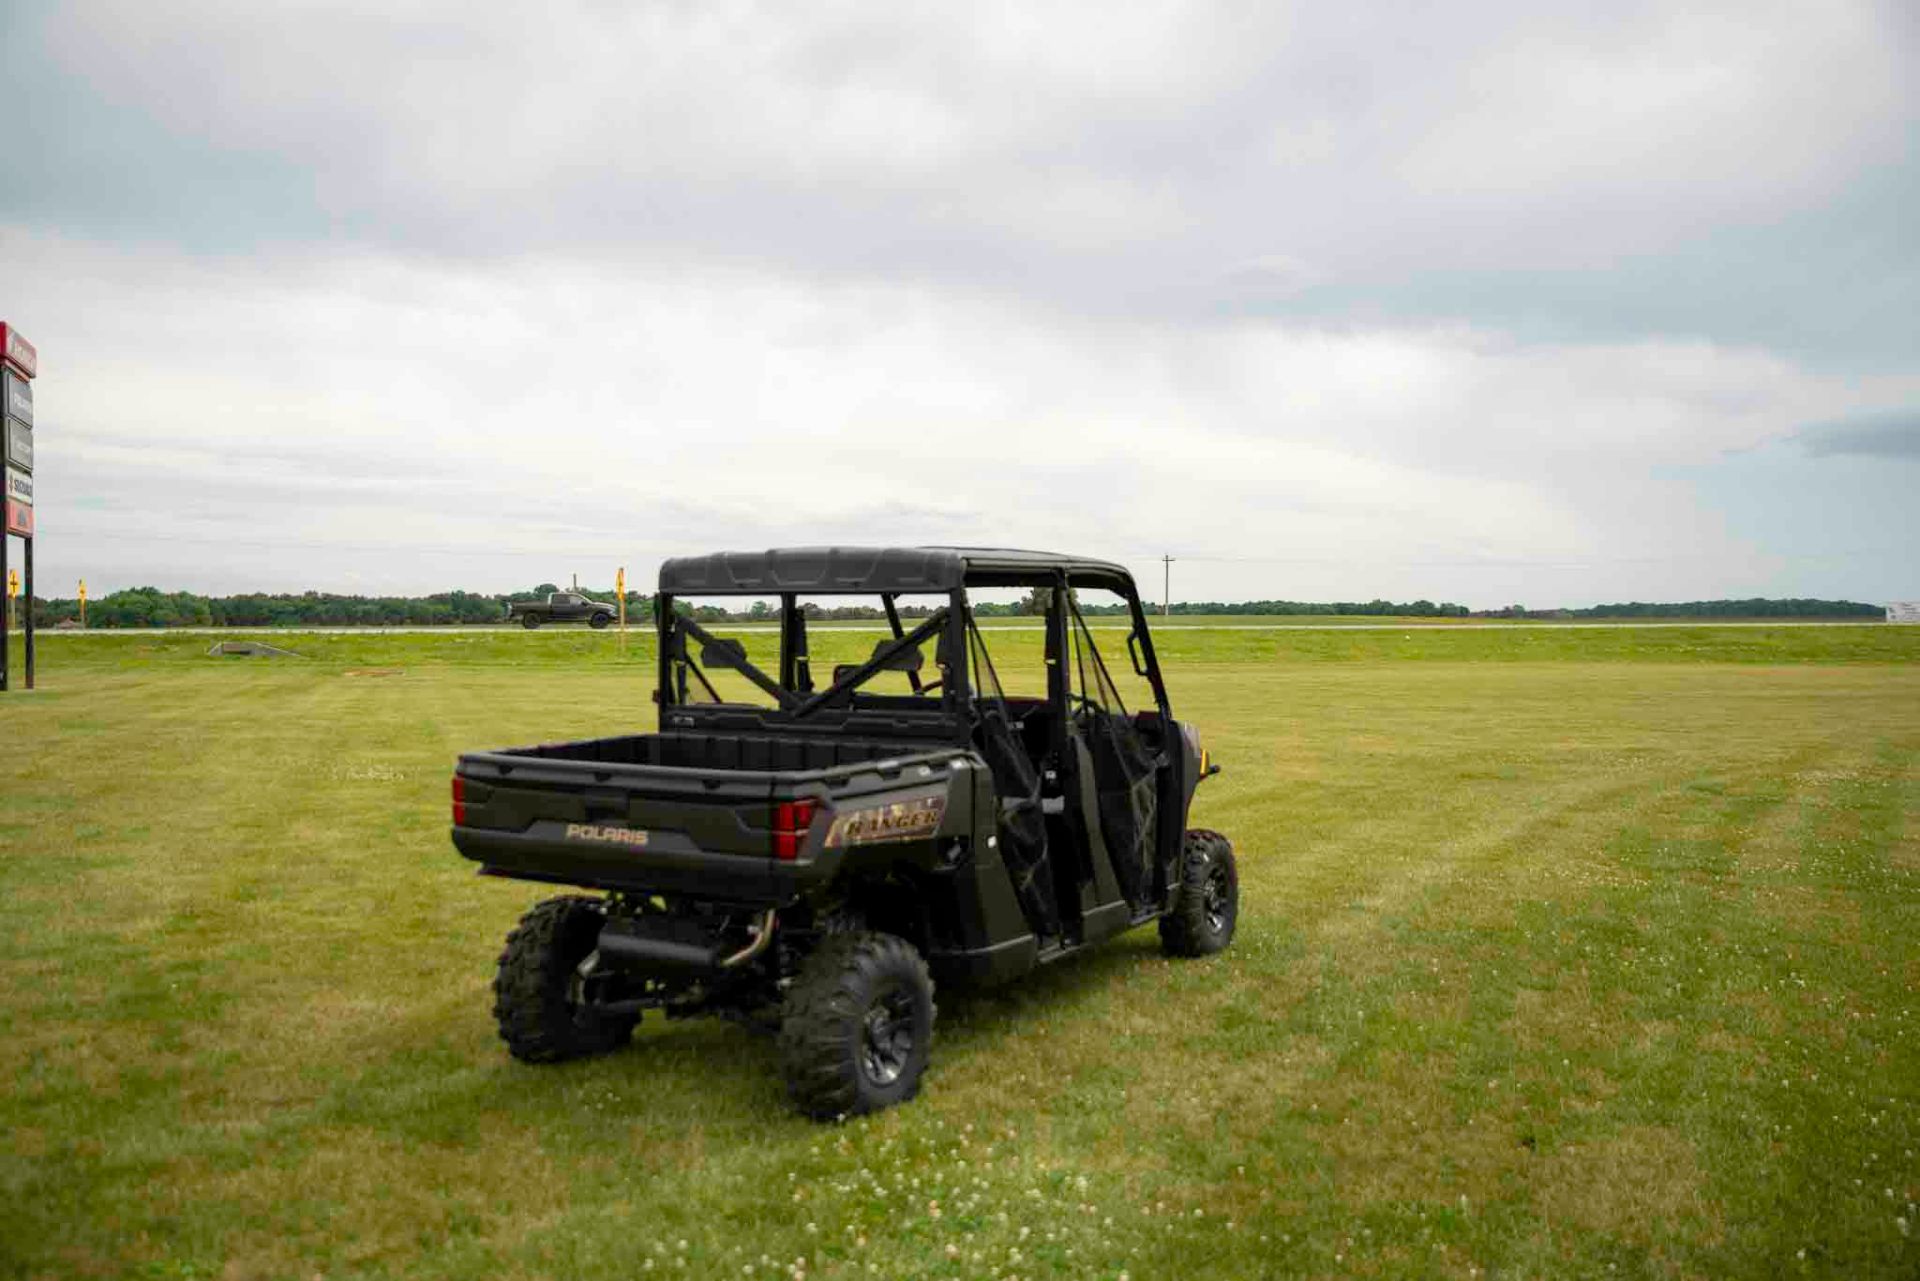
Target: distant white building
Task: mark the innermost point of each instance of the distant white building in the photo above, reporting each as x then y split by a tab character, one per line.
1903	611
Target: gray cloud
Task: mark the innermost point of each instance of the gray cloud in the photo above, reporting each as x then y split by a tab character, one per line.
1736	173
1472	303
1890	434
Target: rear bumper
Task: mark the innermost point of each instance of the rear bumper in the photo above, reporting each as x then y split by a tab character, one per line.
665	868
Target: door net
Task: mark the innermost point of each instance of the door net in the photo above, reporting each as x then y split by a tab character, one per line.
1022	827
1123	768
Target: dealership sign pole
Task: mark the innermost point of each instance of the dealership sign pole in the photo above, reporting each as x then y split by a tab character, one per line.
19	362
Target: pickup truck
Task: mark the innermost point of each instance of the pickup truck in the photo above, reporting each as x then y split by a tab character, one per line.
808	855
561	607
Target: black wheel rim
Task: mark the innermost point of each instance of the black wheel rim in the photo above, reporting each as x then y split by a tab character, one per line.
1217	901
886	1036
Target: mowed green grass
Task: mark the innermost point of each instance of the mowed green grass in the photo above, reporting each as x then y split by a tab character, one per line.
1550	963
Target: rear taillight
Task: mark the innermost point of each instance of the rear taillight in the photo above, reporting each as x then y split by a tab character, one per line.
791	819
459	801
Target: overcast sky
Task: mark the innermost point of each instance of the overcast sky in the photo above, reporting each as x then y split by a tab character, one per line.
1509	302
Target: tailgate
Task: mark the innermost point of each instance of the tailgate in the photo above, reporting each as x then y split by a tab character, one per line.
653	828
632	827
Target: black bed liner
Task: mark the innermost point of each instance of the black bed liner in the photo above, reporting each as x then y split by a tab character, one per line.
727	750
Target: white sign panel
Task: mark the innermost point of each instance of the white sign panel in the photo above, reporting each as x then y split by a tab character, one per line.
1903	611
19	397
19	486
20	445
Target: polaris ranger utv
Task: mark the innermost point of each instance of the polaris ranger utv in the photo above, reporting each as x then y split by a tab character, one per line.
812	853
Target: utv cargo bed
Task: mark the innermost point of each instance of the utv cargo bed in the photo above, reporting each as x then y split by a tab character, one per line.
675	813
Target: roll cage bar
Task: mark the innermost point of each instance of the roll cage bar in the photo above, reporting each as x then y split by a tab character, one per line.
794	692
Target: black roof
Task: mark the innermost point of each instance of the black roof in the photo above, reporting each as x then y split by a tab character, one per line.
817	570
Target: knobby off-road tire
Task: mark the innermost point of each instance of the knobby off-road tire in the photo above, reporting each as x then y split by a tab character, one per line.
1206	906
599	621
529	621
535	994
856	1026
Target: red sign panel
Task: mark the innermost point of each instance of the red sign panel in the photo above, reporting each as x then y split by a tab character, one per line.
19	518
17	351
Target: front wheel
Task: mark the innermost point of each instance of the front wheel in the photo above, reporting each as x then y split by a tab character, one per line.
857	1026
538	993
1206	900
599	620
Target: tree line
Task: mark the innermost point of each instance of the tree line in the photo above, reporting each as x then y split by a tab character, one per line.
1755	607
151	607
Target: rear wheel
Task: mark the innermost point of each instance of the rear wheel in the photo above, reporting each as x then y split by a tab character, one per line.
1206	904
529	621
538	996
857	1026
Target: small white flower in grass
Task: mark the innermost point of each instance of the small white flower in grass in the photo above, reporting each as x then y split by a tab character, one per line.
953	1251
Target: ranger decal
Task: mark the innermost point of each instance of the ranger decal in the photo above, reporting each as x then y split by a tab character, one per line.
901	821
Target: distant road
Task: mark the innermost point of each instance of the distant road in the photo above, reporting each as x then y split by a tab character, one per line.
879	627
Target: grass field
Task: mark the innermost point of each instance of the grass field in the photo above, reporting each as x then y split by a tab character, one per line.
1562	953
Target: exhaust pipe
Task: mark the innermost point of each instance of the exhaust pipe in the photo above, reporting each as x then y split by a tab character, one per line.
622	947
762	936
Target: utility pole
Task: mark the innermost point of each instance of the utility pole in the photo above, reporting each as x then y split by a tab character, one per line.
1166	586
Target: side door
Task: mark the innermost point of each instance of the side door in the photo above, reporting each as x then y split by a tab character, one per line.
1125	771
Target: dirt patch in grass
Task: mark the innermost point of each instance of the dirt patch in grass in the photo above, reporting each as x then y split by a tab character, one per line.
1641	1185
